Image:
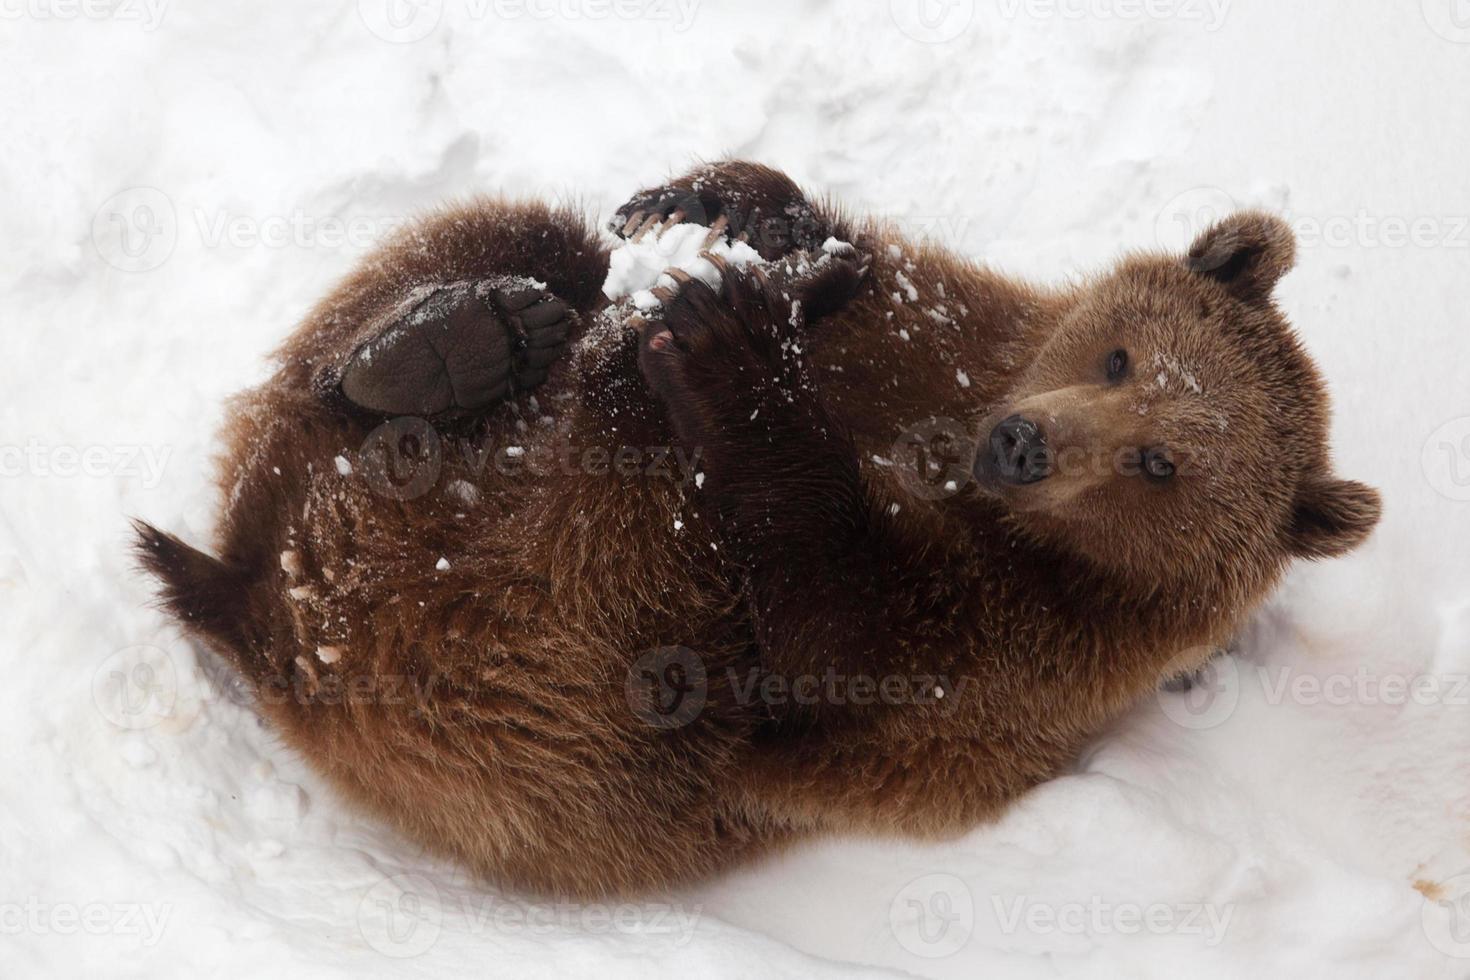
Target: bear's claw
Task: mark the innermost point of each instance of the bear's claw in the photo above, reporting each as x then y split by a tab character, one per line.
458	348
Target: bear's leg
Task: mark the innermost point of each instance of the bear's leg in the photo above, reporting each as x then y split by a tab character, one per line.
760	205
455	313
783	480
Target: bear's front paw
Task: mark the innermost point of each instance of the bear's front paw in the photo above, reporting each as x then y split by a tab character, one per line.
703	337
739	200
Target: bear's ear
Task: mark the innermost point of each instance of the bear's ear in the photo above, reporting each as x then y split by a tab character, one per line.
1331	517
1246	253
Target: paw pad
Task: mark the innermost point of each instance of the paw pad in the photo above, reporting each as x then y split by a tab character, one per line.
459	348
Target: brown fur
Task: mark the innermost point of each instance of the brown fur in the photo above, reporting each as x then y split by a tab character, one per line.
484	707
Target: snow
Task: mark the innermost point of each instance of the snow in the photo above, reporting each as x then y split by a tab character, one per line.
186	180
638	266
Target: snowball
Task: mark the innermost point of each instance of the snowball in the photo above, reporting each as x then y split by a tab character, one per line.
636	267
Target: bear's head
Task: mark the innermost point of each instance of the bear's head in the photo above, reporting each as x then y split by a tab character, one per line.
1171	426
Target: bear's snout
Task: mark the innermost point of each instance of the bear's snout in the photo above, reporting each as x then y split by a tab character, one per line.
1018	453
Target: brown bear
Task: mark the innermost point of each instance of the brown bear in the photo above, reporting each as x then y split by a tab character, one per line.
863	537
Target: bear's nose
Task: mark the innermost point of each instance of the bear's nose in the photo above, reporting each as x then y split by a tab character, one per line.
1018	451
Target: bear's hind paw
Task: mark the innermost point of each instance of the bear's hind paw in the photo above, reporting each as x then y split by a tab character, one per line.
458	348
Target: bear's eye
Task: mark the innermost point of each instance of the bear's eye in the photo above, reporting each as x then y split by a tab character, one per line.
1117	364
1156	463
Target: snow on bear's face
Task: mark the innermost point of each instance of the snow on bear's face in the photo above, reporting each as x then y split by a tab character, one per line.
1172	424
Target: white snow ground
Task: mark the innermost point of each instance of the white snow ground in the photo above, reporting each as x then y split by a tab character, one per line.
182	179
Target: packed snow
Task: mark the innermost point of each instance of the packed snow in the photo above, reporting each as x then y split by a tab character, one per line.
185	180
638	266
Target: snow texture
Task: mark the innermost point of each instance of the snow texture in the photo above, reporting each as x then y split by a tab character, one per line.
638	266
185	180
